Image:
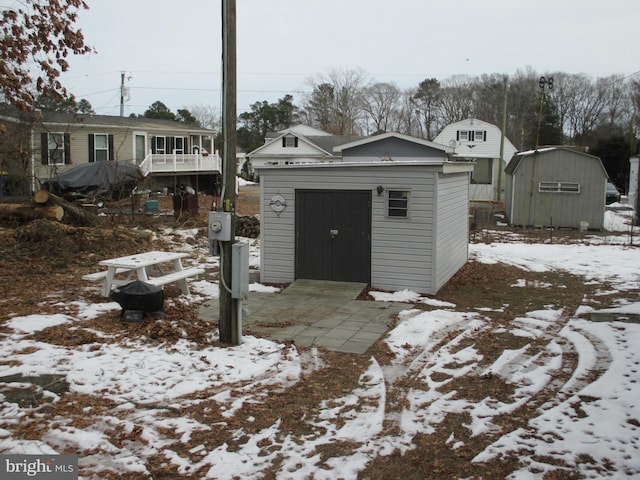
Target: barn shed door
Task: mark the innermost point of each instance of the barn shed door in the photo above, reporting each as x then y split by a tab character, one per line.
333	235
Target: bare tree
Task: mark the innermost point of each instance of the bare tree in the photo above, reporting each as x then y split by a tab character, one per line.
456	100
337	100
522	108
406	120
585	104
617	104
380	103
427	102
207	116
488	97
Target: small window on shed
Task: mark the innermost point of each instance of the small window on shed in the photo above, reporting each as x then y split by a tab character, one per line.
570	187
559	187
398	203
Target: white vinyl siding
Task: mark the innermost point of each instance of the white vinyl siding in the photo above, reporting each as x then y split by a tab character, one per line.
452	232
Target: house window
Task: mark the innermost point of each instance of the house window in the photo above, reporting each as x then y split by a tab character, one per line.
101	146
179	145
160	145
559	187
55	148
289	142
482	171
471	135
398	203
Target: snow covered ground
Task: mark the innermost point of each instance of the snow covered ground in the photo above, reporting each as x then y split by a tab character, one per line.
590	425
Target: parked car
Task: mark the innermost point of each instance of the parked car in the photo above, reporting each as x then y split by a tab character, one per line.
613	195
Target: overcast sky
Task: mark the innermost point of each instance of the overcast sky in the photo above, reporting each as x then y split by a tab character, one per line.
171	51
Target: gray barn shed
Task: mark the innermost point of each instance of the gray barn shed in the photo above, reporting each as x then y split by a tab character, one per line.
555	186
401	223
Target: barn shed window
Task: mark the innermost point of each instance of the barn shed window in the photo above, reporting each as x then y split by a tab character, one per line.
559	187
471	135
398	203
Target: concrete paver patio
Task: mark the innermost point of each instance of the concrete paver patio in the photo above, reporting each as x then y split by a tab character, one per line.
316	313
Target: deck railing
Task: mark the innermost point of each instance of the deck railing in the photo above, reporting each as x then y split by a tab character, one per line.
180	162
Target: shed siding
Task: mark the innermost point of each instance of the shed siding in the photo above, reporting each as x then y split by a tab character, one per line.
452	233
401	249
530	207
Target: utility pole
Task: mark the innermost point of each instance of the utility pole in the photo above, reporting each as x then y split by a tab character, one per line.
504	128
230	331
543	83
122	94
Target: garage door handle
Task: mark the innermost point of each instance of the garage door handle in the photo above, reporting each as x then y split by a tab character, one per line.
333	233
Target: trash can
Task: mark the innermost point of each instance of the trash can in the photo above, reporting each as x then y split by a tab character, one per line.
151	206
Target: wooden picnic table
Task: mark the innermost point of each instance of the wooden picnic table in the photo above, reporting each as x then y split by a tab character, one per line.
140	265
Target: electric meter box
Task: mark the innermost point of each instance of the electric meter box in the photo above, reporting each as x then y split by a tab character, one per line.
239	270
220	226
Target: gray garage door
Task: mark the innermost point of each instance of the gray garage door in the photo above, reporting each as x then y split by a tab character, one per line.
333	235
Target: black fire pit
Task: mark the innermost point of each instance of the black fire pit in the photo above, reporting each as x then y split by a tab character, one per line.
138	299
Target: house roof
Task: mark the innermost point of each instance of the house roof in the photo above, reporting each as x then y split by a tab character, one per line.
470	123
325	143
305	130
376	138
60	118
515	161
444	165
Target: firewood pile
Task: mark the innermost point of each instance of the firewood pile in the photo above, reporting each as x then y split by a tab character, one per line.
247	226
46	205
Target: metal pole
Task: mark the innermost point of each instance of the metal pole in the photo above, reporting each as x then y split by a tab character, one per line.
540	117
228	323
122	94
504	127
